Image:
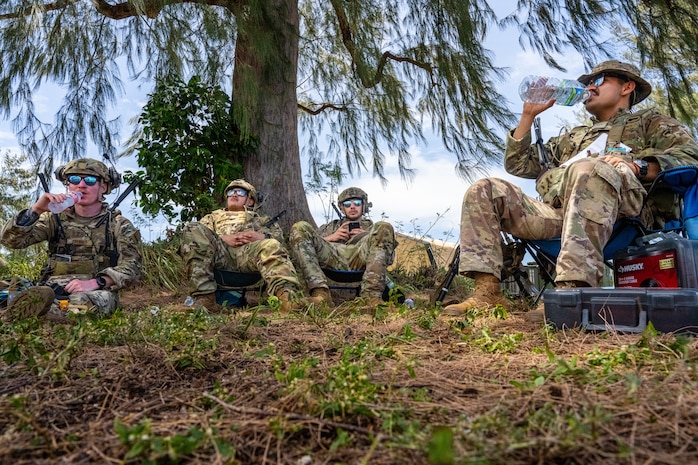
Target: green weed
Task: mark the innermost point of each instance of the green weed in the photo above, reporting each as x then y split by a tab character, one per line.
146	445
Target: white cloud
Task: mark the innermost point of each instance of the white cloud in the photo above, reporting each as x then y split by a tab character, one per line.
436	190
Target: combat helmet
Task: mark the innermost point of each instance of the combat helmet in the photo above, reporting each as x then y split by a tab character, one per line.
252	192
355	193
352	193
89	166
630	72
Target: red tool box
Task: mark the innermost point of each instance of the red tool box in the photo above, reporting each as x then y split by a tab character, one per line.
671	261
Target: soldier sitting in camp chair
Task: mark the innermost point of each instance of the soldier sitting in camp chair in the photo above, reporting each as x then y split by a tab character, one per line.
238	238
585	189
351	243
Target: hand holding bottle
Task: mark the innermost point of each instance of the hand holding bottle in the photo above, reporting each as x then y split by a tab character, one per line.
71	199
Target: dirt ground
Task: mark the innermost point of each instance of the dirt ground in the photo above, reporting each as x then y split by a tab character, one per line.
535	402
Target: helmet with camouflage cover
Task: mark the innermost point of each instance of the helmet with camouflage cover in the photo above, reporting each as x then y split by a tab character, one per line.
252	192
89	166
628	71
355	193
352	193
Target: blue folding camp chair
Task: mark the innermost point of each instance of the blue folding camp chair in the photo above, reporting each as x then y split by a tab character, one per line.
545	251
682	181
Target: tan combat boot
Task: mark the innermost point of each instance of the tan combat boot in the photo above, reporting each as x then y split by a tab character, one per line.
366	305
35	301
487	294
321	295
292	300
208	301
370	304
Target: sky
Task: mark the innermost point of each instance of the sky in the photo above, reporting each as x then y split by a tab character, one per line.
430	205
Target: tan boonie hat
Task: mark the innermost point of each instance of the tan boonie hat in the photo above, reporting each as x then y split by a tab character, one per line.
642	88
252	192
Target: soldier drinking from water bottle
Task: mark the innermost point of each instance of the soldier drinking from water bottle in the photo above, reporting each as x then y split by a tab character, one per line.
597	174
94	251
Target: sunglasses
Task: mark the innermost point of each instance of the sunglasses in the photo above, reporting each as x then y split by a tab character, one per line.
356	202
598	80
75	179
238	192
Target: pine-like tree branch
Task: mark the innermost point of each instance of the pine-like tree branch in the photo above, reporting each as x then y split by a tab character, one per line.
359	63
321	108
122	10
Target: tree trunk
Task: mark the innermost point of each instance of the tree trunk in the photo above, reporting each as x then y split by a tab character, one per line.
275	168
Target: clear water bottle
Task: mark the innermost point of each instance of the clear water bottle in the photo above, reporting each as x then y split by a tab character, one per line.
541	89
72	199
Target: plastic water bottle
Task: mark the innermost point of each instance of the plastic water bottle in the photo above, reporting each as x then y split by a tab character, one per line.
541	89
189	301
72	199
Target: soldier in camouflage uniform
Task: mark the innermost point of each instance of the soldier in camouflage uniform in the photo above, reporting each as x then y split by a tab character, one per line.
353	243
93	252
237	238
581	200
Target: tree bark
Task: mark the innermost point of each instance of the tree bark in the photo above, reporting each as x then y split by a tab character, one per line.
275	168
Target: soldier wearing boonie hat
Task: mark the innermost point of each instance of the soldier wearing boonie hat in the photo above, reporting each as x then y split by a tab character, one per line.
583	192
617	68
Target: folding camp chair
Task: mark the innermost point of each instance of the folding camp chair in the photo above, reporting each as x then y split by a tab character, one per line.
683	181
351	280
232	286
545	251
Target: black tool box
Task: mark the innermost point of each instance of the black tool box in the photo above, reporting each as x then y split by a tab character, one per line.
668	260
623	309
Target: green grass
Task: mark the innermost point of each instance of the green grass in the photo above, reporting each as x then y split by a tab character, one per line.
399	386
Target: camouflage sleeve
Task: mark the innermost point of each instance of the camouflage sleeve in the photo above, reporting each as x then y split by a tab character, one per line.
129	267
329	228
669	143
273	230
520	157
14	236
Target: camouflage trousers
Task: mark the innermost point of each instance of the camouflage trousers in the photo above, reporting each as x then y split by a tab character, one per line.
373	252
203	251
592	198
101	302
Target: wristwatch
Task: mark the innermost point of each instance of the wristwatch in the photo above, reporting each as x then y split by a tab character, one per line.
101	282
643	165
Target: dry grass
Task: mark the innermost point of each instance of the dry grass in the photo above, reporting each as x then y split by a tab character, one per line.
190	388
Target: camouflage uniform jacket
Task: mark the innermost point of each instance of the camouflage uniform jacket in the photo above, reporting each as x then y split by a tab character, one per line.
650	136
84	249
332	226
222	221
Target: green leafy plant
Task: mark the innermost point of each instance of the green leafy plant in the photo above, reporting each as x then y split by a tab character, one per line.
189	148
143	443
506	343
